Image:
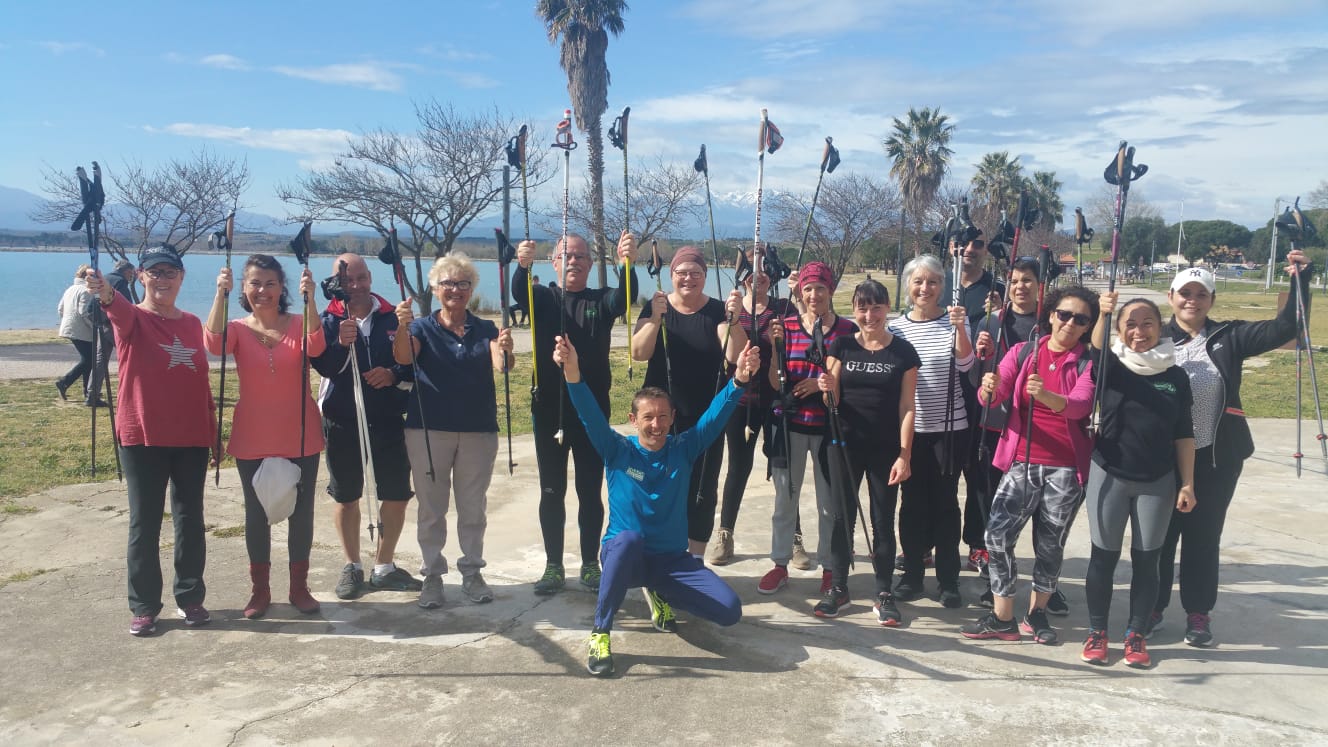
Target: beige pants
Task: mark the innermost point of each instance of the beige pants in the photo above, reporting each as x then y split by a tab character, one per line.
462	463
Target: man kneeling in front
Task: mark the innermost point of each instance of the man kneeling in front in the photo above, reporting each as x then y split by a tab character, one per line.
646	542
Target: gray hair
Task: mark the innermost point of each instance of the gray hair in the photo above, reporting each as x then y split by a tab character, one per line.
927	263
456	265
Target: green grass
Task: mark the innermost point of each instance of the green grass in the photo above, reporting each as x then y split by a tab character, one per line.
225	532
21	576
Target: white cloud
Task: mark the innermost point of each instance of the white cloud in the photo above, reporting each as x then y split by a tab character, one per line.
1095	22
317	143
60	48
772	19
451	53
224	62
377	76
472	80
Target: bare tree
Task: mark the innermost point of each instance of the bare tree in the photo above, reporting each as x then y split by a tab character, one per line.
665	197
179	202
852	210
434	182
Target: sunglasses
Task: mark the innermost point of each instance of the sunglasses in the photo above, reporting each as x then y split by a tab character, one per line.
1066	316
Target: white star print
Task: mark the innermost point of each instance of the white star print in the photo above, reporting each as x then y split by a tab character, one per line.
180	355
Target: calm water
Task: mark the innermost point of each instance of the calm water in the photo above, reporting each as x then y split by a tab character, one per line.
36	280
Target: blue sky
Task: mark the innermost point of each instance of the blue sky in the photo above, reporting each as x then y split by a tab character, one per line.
1225	99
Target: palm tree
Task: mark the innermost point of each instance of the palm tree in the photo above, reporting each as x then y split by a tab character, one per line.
919	149
1044	191
997	182
583	27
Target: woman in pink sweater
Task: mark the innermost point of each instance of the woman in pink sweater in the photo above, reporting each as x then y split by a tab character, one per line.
266	423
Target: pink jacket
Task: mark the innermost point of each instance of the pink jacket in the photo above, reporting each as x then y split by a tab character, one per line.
1078	407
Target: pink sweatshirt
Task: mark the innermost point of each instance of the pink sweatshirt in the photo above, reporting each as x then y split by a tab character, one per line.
1078	407
267	416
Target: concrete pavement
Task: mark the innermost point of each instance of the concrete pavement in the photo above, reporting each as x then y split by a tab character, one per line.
381	670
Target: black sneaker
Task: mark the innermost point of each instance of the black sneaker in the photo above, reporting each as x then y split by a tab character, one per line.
987	599
397	579
989	626
887	614
1035	624
834	600
1197	630
907	591
351	583
950	599
600	662
1056	604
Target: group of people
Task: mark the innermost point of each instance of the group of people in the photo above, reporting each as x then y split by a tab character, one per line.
984	388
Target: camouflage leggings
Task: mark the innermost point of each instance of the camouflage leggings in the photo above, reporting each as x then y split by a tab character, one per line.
1054	493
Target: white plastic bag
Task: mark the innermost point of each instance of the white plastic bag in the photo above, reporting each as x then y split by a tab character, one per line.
275	482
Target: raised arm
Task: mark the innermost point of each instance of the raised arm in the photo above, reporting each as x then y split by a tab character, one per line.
647	327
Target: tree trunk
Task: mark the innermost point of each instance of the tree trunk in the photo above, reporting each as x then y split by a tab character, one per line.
595	163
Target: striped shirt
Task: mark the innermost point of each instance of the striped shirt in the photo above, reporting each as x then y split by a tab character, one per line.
934	341
810	416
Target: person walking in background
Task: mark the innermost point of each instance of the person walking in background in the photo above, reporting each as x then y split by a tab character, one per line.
165	427
456	354
76	326
269	361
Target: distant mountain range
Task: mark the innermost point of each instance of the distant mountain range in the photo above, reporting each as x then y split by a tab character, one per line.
733	217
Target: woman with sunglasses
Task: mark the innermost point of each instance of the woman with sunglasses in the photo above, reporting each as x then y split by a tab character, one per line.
1212	352
1045	459
456	354
1143	465
166	426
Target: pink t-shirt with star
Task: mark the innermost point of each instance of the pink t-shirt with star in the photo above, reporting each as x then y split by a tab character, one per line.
165	398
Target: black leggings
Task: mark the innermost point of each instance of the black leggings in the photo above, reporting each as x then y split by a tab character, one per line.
981	478
874	464
300	525
1143	586
552	458
1199	535
149	471
741	451
929	512
703	489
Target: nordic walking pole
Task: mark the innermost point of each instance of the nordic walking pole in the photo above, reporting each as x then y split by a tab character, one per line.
563	141
1082	235
222	240
1297	225
618	136
1044	260
506	252
829	160
1120	172
300	245
837	440
654	266
361	419
516	157
948	235
390	254
702	165
89	220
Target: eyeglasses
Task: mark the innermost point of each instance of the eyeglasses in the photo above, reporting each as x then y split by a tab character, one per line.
689	273
163	274
455	285
574	257
1067	316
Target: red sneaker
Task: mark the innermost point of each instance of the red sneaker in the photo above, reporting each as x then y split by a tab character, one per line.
977	559
1095	648
1136	651
774	580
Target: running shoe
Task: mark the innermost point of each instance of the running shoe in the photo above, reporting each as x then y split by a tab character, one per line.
1057	604
661	612
143	625
1197	630
1136	651
475	589
1036	624
1154	624
950	599
774	580
194	615
834	600
397	579
551	582
431	596
1095	648
590	577
977	559
600	662
351	582
989	626
887	614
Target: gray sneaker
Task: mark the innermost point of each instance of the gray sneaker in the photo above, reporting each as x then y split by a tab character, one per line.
397	579
431	596
475	589
351	582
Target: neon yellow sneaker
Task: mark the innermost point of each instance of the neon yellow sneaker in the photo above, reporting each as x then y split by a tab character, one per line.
661	613
600	662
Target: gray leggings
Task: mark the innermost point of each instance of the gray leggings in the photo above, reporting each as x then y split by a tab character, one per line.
1146	505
